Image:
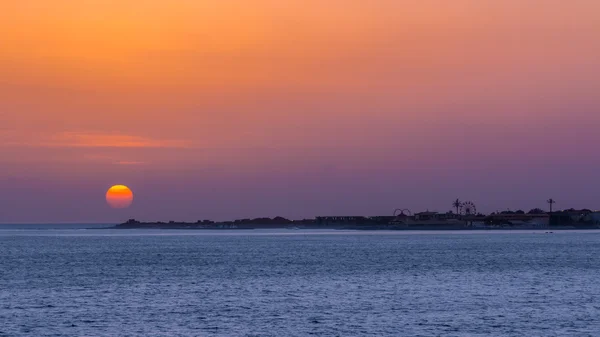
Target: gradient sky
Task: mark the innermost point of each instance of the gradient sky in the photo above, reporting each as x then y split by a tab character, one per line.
228	109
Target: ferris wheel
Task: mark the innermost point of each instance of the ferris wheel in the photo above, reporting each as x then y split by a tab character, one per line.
468	208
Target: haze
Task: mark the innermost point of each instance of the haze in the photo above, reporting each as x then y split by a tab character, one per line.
231	109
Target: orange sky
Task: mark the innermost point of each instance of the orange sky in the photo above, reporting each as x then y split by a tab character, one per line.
112	86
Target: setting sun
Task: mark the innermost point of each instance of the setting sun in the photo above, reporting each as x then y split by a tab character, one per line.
119	196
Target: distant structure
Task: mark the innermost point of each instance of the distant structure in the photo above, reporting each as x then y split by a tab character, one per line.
402	212
468	208
551	202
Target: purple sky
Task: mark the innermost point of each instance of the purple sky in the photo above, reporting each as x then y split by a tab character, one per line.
223	110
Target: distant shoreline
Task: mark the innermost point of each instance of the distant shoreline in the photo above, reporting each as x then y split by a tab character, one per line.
403	220
354	227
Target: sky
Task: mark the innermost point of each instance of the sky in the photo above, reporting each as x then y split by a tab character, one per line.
231	109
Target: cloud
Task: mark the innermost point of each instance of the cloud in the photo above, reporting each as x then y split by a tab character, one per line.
129	162
103	140
112	159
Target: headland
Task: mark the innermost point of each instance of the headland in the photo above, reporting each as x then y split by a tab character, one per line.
465	218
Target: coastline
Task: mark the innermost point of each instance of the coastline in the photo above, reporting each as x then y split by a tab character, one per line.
404	220
354	227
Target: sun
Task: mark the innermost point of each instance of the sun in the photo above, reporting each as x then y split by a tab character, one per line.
119	196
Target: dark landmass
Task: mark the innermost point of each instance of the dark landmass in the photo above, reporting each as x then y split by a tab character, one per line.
277	222
568	219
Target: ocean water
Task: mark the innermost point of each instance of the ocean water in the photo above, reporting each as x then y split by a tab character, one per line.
103	282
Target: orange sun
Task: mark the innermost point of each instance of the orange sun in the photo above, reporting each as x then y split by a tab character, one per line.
119	196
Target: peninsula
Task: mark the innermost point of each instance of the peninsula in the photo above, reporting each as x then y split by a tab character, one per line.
465	218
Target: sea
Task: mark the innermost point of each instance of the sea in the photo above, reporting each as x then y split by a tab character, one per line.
88	280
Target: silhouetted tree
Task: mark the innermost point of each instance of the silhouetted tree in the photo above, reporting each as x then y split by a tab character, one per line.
536	211
551	202
520	212
456	204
